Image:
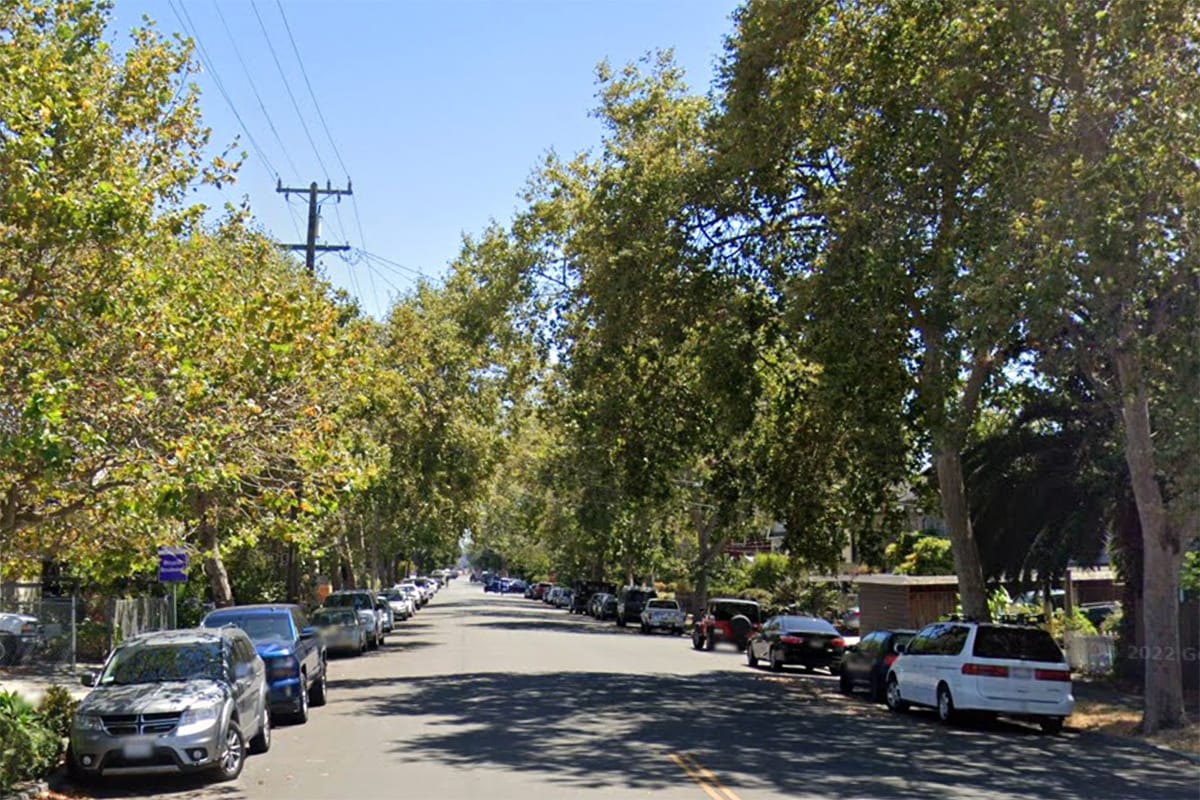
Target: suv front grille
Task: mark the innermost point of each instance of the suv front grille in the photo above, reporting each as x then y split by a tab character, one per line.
134	724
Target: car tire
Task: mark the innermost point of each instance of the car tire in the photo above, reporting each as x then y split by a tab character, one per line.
697	641
751	659
320	687
261	742
710	643
945	704
233	757
776	661
645	629
1051	726
844	684
300	715
620	621
892	696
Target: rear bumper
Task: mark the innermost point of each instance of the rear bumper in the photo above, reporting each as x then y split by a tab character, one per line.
808	657
967	698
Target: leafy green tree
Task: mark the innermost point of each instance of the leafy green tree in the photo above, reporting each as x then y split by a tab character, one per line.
1113	233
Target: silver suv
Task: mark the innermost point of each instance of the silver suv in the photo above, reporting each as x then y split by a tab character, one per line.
187	700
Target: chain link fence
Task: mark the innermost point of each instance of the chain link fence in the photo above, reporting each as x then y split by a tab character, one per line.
48	632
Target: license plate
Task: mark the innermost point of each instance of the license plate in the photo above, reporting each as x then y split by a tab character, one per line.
138	749
816	644
1022	673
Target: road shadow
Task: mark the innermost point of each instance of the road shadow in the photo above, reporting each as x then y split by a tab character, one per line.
778	735
176	787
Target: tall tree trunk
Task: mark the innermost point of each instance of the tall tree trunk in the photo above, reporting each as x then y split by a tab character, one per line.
210	547
704	529
967	566
1162	555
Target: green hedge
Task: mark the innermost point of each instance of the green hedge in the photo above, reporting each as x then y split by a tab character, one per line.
30	744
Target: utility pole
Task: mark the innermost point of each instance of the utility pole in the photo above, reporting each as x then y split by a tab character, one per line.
311	248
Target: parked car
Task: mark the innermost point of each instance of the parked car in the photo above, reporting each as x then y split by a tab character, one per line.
665	615
341	629
866	664
851	620
630	602
189	700
363	602
726	619
291	649
551	595
583	593
563	598
515	586
415	594
387	618
402	605
19	635
957	666
539	589
497	585
596	603
810	642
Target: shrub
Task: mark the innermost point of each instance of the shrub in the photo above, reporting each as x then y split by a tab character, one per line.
29	749
57	710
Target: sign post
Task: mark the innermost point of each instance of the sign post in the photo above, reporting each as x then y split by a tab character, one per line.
172	569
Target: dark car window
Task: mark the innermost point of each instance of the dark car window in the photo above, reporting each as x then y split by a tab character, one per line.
334	617
243	651
807	625
870	644
359	601
723	612
897	639
951	639
1026	644
259	627
919	645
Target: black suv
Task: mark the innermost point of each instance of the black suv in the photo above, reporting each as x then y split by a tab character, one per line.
584	591
630	602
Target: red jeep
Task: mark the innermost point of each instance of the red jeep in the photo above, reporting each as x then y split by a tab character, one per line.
726	619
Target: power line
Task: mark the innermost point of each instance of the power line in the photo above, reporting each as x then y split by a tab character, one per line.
396	264
311	93
250	79
262	26
193	32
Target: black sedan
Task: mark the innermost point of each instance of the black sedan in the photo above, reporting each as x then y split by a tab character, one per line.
807	641
866	664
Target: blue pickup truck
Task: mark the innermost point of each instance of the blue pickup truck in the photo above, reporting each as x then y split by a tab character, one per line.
290	648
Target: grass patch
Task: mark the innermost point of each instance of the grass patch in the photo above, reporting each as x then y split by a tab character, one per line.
1122	719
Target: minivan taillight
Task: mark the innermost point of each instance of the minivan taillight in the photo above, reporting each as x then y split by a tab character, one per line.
985	670
1052	675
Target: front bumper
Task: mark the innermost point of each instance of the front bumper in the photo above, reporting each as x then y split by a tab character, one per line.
101	753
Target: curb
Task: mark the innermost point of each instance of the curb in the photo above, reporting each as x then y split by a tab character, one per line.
28	790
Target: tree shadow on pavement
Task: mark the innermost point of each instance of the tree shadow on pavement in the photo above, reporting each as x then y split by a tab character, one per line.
175	787
757	731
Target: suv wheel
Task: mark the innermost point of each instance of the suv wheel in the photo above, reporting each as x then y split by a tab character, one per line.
300	716
620	621
945	704
1051	725
316	695
261	742
892	696
697	640
710	643
233	758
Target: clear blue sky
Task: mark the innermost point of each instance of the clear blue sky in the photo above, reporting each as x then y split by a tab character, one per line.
440	110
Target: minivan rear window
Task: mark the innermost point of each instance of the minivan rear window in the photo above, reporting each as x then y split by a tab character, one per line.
1026	644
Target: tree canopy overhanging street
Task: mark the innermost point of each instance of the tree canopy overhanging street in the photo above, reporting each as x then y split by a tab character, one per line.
910	253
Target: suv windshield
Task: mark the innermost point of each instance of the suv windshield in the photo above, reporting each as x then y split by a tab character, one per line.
662	604
334	618
727	610
1026	644
149	663
259	627
359	601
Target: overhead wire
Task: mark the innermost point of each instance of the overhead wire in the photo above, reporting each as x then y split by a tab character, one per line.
254	88
185	22
286	85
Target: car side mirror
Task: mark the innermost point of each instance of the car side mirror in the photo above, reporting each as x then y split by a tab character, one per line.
901	649
308	632
87	679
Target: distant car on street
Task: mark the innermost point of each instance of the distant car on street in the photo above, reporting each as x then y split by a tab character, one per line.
341	630
364	603
726	619
19	634
630	602
810	642
866	664
665	615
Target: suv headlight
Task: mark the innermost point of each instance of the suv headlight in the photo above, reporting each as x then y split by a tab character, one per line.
200	716
86	721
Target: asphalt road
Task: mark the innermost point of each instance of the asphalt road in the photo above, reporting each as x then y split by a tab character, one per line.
481	696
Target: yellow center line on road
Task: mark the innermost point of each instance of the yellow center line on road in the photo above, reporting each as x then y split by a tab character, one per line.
704	778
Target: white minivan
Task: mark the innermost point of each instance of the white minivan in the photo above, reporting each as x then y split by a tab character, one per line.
1015	670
